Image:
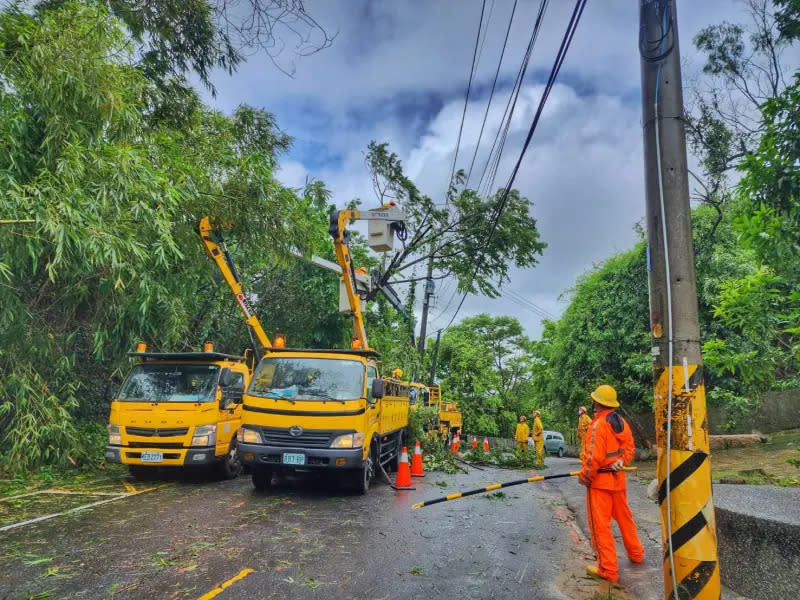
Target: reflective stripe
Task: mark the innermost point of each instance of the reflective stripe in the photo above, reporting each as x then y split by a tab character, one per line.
588	467
613	454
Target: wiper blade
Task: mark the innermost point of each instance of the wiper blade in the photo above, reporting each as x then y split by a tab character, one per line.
323	395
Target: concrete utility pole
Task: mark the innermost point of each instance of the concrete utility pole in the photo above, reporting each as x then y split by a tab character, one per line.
432	379
691	566
426	301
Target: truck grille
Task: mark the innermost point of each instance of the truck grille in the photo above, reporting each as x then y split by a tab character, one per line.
309	438
155	445
146	432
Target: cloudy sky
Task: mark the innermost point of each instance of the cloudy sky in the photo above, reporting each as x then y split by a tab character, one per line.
397	72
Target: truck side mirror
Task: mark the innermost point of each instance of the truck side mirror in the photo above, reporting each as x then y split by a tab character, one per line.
377	388
226	377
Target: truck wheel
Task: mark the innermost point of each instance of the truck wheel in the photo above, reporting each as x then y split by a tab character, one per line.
142	473
231	465
262	479
363	476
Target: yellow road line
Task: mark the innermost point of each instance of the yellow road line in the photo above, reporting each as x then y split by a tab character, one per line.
221	588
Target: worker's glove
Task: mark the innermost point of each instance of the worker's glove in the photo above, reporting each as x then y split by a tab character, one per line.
618	465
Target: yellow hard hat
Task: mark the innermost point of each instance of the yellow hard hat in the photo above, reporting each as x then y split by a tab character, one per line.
582	410
605	395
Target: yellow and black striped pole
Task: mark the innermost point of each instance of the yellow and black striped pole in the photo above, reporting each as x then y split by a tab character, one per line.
498	486
691	564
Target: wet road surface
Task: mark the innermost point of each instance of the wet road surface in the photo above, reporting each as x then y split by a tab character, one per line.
309	538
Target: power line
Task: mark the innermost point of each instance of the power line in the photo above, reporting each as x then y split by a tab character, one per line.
530	303
466	99
559	61
491	93
496	151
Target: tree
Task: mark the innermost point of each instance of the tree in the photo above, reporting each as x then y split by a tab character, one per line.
744	68
485	365
470	238
111	256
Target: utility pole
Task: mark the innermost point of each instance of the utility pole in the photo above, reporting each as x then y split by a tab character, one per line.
426	302
435	358
691	565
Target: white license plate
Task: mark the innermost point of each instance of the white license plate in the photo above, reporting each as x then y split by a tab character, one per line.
152	456
294	459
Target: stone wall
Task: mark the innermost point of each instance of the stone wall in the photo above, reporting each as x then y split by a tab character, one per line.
778	410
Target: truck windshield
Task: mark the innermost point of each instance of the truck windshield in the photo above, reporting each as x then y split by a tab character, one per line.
170	383
296	378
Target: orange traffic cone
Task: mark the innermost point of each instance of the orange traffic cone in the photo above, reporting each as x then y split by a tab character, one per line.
403	480
474	442
416	463
485	444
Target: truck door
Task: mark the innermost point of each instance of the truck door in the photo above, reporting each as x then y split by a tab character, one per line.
373	408
230	412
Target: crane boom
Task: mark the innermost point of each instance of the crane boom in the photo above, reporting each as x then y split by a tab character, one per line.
338	229
212	241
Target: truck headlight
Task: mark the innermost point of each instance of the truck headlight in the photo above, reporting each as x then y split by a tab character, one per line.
348	440
249	436
114	435
204	435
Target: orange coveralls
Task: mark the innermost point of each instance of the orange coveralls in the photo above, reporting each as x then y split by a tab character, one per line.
609	439
583	428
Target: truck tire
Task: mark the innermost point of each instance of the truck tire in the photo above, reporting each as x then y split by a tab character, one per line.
230	467
363	476
262	479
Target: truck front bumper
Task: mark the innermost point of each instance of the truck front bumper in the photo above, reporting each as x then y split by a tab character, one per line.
271	457
178	457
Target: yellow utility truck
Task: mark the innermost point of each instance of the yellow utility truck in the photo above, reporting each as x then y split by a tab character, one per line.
448	418
179	409
323	410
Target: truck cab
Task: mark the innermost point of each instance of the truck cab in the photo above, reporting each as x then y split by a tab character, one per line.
321	410
179	409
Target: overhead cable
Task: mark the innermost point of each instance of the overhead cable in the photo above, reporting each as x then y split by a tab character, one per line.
466	101
491	92
559	61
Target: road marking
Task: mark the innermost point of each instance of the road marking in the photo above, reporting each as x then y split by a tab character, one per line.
221	588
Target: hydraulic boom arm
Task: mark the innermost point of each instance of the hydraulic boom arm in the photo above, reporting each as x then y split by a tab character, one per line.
338	228
212	242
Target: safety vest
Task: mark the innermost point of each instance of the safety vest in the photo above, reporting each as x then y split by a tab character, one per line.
609	438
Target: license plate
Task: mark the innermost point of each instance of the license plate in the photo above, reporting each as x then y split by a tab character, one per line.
152	456
294	459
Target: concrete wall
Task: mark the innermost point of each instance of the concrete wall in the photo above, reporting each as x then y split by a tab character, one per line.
778	410
759	558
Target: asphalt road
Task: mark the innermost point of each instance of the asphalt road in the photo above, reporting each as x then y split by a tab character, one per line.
308	538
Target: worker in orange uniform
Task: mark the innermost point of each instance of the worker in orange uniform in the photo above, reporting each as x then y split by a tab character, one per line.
609	446
521	434
537	433
583	427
